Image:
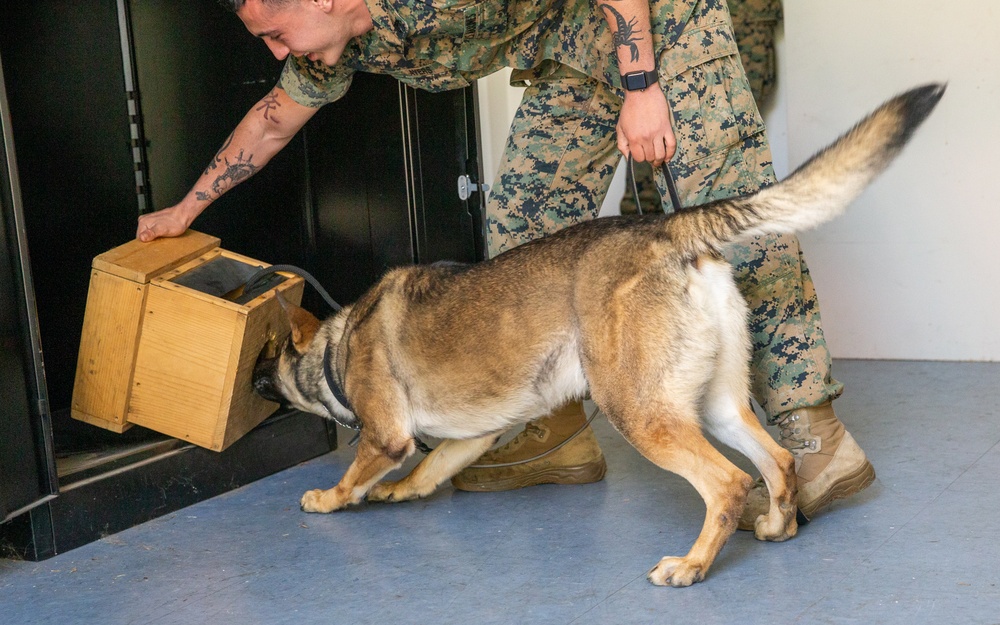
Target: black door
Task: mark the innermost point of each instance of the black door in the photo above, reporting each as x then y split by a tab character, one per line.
27	472
118	116
384	164
370	184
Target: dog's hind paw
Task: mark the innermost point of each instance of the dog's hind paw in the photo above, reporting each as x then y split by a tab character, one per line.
676	572
776	525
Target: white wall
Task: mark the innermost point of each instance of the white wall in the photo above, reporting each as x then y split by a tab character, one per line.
913	270
497	103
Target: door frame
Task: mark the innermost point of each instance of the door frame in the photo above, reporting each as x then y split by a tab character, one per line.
43	452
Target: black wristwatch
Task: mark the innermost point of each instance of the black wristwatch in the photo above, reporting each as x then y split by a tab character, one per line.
637	81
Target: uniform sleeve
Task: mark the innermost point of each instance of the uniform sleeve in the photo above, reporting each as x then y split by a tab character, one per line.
314	84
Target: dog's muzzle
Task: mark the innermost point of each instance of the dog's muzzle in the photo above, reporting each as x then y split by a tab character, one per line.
265	372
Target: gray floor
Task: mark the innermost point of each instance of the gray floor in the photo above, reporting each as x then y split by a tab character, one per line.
919	546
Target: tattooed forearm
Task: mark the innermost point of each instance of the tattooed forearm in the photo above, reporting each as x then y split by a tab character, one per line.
217	158
627	34
235	173
269	105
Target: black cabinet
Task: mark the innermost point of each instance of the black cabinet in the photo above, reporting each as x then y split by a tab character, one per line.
114	109
27	469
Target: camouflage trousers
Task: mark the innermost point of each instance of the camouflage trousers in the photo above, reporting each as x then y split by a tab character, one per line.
558	163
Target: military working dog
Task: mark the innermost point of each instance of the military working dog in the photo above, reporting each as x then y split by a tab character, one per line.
641	311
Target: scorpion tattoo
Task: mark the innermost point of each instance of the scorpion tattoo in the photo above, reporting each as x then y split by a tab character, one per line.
625	35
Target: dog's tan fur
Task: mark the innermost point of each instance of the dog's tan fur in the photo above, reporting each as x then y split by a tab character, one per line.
641	311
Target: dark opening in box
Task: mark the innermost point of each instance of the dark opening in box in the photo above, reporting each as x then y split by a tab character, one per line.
225	278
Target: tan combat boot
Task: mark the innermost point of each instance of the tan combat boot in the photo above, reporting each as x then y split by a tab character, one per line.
828	462
532	457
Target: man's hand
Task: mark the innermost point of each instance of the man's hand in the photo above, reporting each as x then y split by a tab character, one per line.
644	129
169	222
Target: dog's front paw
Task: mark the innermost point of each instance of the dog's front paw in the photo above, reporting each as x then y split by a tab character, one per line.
676	572
389	492
384	492
319	501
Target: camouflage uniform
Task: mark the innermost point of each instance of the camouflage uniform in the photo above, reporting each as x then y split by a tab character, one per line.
561	153
754	23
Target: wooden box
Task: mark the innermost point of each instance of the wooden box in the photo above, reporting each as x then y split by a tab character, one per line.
169	340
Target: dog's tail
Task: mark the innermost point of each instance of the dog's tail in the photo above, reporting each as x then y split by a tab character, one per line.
818	190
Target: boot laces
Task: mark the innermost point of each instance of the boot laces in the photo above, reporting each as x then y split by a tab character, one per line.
795	436
529	430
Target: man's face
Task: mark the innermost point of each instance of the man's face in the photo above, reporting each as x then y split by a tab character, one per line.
301	28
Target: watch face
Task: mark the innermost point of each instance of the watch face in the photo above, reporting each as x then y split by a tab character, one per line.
635	81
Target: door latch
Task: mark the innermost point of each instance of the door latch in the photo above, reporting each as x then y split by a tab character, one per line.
466	187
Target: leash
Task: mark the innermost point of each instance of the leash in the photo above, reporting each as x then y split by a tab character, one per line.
264	272
671	187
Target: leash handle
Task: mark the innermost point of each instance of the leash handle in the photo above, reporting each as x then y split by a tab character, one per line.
671	187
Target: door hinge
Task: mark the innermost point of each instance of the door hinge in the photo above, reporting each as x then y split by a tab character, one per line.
466	187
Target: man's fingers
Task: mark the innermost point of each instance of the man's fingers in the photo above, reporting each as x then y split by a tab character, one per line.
639	153
148	230
656	151
623	146
671	148
659	151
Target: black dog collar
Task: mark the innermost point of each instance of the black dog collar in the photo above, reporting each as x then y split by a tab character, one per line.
338	392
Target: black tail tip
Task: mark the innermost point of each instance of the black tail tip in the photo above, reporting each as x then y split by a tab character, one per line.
912	107
920	101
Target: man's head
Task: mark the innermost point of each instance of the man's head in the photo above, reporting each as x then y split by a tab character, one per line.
316	29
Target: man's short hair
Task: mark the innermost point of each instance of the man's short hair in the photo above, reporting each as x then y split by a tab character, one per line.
236	5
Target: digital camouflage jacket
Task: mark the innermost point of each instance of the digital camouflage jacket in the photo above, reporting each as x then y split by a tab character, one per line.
437	45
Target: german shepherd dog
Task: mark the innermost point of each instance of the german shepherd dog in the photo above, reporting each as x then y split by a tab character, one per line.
641	311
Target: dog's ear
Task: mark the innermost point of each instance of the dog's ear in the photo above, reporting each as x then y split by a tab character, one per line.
304	325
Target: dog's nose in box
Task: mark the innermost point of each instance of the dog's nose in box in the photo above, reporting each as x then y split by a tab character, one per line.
170	340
